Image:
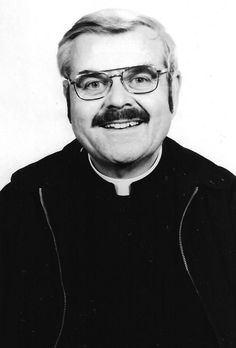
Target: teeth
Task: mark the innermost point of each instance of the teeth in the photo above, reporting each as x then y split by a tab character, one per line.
122	125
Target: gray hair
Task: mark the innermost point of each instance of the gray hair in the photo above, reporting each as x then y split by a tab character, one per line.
111	21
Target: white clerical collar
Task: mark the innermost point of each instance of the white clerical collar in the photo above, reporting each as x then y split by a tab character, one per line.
122	186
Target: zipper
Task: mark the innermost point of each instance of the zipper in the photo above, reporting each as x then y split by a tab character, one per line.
220	342
181	242
59	267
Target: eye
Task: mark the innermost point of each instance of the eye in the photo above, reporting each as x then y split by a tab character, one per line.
92	82
142	79
94	85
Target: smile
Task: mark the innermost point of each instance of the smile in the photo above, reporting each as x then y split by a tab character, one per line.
122	125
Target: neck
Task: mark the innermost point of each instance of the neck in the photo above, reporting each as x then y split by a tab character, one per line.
127	170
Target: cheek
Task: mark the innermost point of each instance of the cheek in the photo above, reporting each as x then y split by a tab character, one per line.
82	114
159	111
160	120
156	103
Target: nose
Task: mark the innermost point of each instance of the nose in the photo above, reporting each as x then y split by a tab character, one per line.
118	96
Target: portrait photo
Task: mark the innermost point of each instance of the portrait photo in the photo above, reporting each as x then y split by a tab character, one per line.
117	174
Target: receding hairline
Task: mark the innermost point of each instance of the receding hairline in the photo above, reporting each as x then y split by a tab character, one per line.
109	22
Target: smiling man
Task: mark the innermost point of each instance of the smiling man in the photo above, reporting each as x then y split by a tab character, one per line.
124	239
119	106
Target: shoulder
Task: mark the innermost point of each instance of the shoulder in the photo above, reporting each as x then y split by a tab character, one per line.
48	170
196	167
216	184
55	170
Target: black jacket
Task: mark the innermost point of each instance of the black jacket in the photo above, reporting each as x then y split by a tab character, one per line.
33	296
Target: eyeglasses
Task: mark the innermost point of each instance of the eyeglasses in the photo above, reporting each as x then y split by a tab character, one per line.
140	79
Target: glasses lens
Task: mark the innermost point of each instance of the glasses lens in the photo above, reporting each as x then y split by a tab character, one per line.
141	79
92	85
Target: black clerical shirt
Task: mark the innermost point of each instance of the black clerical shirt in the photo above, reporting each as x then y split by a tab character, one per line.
126	283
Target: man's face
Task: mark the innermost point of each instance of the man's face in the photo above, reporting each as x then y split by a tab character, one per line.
137	145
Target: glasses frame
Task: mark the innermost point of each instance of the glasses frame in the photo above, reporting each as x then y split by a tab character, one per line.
110	77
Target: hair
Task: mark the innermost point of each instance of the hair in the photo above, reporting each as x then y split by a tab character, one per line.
113	22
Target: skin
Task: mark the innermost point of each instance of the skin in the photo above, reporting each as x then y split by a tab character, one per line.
129	152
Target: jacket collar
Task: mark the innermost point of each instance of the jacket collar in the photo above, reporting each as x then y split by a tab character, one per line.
66	167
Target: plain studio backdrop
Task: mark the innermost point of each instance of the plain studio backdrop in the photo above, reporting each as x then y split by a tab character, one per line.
33	120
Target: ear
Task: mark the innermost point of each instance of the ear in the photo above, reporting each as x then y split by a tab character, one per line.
175	81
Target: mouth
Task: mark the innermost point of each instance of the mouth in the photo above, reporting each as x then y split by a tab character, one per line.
124	124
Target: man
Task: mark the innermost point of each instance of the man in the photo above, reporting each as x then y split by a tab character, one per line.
124	238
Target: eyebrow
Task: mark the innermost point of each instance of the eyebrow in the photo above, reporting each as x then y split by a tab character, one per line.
87	71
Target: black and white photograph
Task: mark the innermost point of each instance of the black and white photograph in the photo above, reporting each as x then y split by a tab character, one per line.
117	174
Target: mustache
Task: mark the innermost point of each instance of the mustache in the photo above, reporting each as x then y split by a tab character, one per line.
111	115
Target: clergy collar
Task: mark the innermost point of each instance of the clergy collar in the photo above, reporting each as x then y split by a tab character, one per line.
122	186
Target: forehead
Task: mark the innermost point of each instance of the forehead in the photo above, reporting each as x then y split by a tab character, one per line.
109	51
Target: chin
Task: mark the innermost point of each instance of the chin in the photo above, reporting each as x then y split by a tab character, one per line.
125	158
